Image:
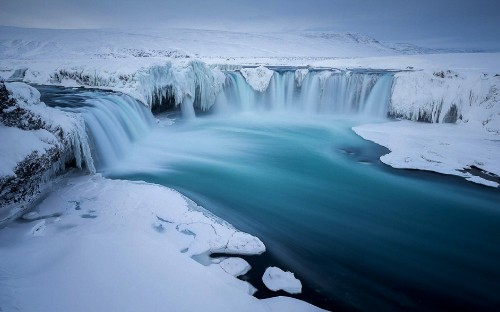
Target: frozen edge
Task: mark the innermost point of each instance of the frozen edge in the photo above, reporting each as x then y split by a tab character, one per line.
415	145
77	221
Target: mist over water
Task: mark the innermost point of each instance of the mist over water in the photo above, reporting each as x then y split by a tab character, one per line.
364	235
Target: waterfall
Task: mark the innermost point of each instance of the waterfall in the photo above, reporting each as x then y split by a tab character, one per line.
324	92
113	121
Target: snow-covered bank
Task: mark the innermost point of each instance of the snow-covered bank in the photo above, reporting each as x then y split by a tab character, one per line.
467	101
442	148
37	142
109	245
449	97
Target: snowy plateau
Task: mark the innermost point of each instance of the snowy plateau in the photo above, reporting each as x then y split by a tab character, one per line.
114	245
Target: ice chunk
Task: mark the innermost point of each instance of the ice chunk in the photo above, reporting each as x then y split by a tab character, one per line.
300	74
258	78
244	244
235	266
275	279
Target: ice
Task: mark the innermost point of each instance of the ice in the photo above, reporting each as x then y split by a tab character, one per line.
482	181
300	74
53	121
23	93
289	305
117	260
447	96
195	84
276	279
258	78
442	148
235	266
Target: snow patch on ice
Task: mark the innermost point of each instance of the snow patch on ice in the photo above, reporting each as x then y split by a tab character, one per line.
235	266
275	279
482	181
442	148
300	74
289	304
258	78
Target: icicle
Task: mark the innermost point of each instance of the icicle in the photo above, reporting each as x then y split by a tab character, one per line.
163	84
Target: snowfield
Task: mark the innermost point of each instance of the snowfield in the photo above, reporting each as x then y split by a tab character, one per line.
110	245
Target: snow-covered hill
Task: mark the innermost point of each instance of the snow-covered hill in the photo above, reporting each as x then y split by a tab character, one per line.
46	43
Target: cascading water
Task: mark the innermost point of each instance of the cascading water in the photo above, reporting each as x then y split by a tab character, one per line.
114	121
324	92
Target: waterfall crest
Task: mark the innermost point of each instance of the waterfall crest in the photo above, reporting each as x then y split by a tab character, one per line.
324	92
113	121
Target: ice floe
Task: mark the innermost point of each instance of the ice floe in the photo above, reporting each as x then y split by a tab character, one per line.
276	279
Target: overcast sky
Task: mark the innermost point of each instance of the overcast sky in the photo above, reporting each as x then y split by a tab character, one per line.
436	23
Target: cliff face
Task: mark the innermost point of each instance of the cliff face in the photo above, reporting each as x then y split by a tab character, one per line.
37	142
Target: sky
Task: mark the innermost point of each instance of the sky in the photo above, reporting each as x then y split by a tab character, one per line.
470	24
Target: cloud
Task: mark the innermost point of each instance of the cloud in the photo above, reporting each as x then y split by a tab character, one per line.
469	22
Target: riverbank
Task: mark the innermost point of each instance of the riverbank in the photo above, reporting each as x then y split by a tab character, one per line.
117	245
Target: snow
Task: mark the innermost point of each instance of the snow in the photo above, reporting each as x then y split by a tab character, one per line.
442	148
425	95
300	74
23	92
17	144
178	43
235	266
108	245
276	279
258	78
